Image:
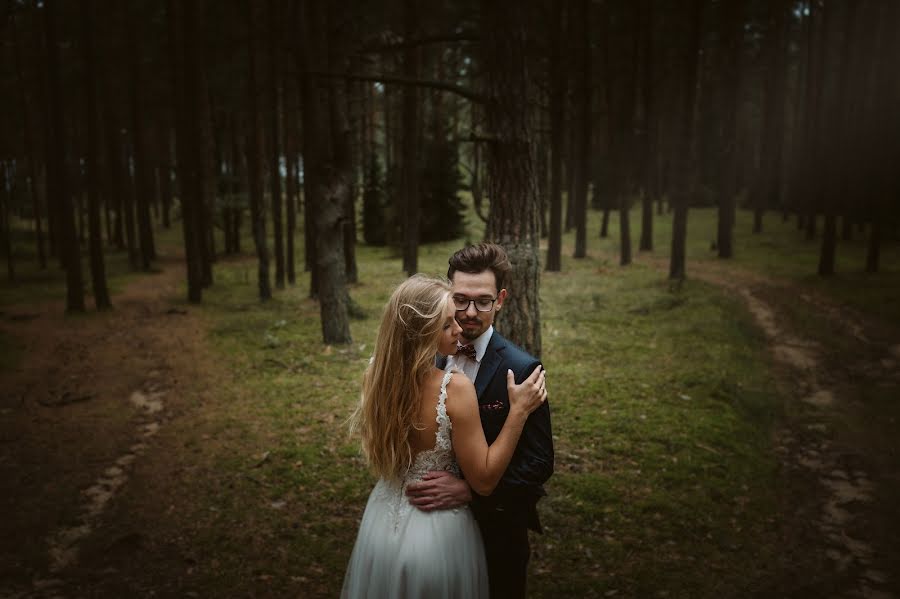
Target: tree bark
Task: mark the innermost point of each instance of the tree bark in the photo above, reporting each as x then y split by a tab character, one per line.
274	42
58	187
513	218
5	225
410	185
651	129
190	176
254	164
98	268
729	78
684	185
769	194
583	131
290	152
327	160
557	136
141	164
835	160
30	150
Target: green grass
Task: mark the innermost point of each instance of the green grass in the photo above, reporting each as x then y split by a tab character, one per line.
779	251
662	409
663	404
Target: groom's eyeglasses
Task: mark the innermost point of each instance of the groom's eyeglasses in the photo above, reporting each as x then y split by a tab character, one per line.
482	304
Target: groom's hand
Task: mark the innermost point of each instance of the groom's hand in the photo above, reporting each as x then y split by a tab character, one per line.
439	490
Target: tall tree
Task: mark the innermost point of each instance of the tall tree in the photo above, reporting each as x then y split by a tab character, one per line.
184	17
776	47
682	192
835	159
58	188
410	186
582	129
326	164
650	139
141	163
729	80
98	268
5	225
557	136
274	49
513	220
254	162
884	125
290	183
30	146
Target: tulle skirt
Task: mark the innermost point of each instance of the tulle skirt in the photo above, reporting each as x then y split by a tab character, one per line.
402	552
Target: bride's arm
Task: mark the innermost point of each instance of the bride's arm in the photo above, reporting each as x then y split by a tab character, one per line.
483	465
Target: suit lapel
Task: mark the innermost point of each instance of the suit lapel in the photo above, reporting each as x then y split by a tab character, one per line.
489	363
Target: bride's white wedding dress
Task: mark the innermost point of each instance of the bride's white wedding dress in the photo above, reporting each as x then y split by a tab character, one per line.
403	552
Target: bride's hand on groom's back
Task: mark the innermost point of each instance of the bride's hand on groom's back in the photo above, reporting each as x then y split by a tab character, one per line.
528	395
439	490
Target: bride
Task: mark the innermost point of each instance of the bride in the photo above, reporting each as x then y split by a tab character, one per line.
414	418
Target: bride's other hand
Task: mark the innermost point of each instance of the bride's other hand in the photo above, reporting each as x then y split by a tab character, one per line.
439	490
528	395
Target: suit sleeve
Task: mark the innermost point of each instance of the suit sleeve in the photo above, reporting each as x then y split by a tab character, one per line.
532	463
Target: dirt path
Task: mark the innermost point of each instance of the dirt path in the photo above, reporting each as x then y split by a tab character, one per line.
839	525
83	408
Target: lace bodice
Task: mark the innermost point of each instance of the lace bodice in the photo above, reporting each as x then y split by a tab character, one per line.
441	457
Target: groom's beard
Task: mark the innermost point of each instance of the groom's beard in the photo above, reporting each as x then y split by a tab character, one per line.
475	330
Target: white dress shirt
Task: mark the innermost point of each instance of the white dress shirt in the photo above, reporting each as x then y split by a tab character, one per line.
467	365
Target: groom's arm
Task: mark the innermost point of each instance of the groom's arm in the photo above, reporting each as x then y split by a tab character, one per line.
439	490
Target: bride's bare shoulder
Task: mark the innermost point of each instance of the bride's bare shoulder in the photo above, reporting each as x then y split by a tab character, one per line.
460	389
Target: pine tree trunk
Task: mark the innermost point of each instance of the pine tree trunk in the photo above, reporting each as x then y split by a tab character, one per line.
58	187
254	164
167	187
772	145
829	243
206	169
557	137
30	153
651	128
98	268
624	233
290	151
513	218
328	165
583	131
190	179
274	40
410	185
684	185
729	76
141	166
873	248
6	228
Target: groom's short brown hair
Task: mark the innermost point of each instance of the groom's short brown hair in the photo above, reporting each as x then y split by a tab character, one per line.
480	257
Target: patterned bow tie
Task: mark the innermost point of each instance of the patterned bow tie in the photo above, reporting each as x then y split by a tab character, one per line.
466	350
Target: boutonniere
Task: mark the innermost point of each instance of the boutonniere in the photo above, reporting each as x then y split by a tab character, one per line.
494	406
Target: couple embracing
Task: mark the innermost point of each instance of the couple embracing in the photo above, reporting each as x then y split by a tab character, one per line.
461	444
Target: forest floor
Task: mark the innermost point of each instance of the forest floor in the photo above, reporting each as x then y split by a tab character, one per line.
839	370
80	419
100	404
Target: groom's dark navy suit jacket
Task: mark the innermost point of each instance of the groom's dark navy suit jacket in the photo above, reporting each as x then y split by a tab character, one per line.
532	462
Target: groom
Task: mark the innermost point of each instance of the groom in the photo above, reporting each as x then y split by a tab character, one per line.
477	273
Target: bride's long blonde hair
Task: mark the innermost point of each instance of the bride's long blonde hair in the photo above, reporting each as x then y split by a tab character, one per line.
404	354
